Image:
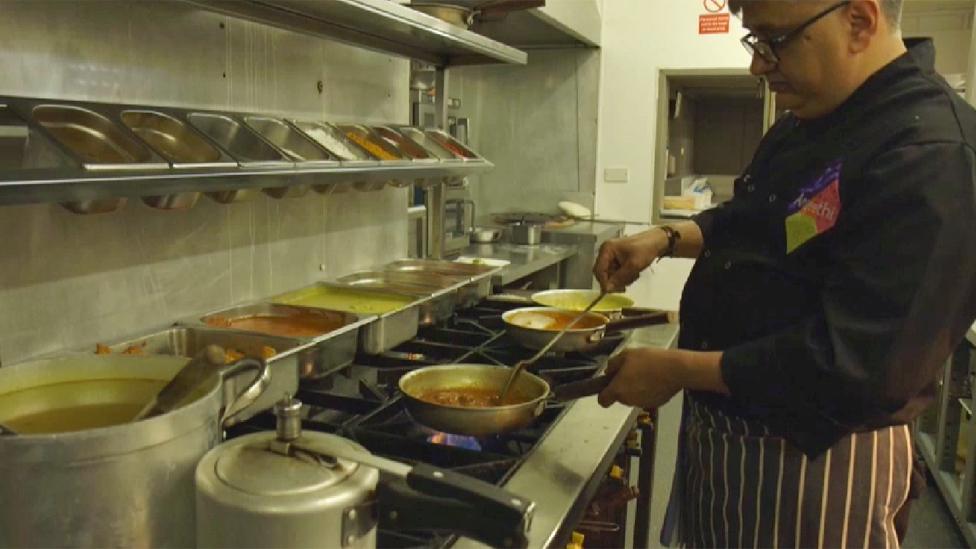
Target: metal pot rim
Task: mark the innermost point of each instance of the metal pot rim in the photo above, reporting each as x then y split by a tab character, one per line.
102	442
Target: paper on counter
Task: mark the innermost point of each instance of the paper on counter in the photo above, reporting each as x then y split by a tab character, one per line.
491	262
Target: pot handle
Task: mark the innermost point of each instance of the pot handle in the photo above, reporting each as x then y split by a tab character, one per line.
434	499
646	318
262	378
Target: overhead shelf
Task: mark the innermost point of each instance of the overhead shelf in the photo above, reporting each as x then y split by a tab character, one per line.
379	25
91	156
559	24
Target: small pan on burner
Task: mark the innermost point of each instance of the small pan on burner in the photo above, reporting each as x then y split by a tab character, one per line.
527	399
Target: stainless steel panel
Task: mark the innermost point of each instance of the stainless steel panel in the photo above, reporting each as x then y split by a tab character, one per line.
94	139
240	142
291	358
173	139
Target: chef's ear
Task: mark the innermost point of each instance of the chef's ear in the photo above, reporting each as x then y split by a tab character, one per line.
865	20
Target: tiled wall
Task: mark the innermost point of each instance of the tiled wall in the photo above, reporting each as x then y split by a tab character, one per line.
68	280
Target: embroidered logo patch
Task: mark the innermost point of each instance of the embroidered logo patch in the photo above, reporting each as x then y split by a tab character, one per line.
815	210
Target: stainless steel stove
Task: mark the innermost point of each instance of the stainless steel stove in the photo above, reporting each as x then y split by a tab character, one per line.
361	402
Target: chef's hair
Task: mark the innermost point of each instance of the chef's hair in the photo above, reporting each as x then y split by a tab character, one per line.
890	8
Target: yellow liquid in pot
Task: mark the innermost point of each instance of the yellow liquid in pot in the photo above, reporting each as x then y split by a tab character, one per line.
78	418
77	405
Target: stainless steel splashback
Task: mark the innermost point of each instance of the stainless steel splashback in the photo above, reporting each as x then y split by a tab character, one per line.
67	280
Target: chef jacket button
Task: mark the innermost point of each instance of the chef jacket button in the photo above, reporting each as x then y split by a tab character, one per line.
746	177
772	198
750	187
707	254
728	265
704	345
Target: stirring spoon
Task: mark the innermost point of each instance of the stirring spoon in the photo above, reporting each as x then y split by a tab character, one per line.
523	364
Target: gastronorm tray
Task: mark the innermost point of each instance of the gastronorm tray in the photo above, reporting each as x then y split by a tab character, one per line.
396	322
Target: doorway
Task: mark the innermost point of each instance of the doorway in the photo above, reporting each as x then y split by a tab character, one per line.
709	123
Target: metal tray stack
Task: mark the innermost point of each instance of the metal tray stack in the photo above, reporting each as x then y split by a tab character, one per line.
91	156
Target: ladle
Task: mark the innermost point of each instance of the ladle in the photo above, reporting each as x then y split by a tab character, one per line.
523	364
198	370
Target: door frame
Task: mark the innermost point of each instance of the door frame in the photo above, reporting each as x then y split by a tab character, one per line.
663	119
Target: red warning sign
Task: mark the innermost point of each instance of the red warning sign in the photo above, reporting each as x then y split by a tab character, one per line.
714	22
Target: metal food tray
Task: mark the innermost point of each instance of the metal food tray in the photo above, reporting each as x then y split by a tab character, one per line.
294	359
478	277
420	138
370	137
448	142
416	151
442	293
332	350
93	139
384	331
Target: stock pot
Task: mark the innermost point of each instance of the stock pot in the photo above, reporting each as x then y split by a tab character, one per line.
79	474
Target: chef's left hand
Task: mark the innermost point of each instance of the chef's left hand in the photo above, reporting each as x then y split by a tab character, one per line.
648	378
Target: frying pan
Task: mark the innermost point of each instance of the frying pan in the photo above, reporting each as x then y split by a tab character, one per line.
530	392
612	305
584	336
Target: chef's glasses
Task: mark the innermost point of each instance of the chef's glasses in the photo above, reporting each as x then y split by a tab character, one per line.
767	48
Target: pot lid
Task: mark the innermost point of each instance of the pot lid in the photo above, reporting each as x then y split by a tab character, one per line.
251	465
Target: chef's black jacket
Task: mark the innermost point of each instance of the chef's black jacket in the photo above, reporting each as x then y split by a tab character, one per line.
842	273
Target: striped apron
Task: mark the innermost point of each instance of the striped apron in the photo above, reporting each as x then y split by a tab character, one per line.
736	485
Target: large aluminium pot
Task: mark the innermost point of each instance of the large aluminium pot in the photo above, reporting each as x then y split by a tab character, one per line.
122	485
289	489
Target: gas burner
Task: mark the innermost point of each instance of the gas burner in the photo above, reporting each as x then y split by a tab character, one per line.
362	402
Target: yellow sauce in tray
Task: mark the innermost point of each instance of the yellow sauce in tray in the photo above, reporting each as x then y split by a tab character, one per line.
341	299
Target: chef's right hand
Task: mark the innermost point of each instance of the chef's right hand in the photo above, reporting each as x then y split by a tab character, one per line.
621	260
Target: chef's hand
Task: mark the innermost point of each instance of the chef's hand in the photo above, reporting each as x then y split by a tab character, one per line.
648	378
621	260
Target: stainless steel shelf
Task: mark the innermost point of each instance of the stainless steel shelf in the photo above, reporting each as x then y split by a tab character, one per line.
55	186
380	25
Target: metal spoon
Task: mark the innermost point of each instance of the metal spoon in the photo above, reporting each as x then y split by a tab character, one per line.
523	364
200	368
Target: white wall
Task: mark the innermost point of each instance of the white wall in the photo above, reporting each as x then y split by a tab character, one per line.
640	38
951	31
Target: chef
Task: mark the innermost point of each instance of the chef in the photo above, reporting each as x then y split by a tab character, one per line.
825	296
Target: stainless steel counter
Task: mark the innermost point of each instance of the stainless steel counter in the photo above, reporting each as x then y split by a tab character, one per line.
523	260
562	473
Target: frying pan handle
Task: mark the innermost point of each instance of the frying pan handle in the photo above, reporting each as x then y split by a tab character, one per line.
651	318
438	500
580	389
